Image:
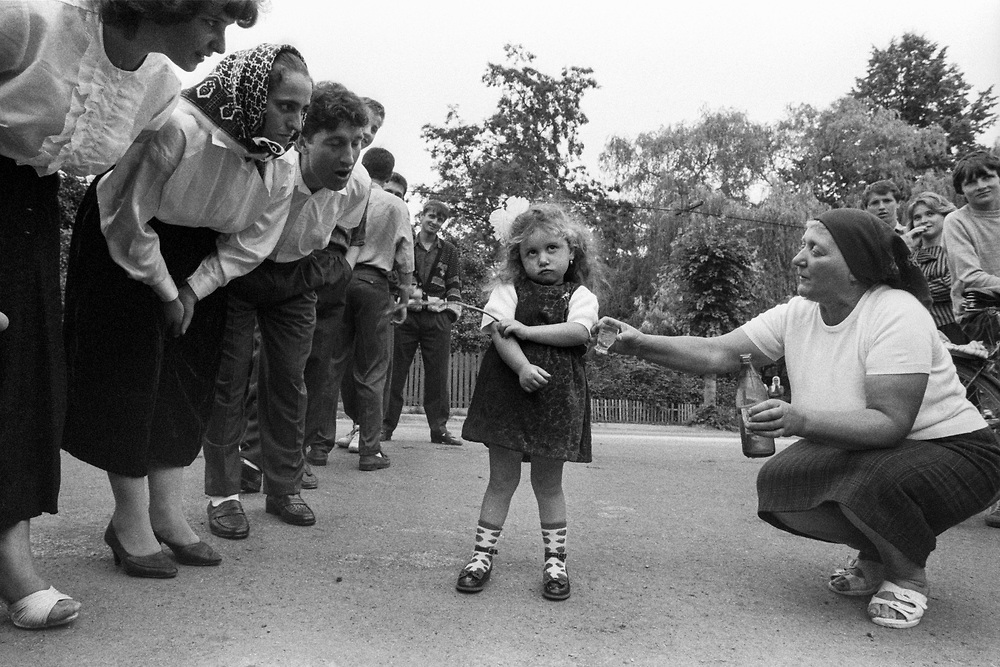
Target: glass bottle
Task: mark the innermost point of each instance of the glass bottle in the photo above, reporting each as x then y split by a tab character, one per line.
750	390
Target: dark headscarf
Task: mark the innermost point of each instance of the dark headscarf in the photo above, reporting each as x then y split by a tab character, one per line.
234	96
874	253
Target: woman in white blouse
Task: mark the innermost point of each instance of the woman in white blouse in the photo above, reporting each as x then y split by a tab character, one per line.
198	203
79	81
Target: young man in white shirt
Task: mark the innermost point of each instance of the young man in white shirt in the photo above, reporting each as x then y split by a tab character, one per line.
280	297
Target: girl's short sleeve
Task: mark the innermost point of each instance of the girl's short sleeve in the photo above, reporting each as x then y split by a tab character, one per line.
502	304
583	307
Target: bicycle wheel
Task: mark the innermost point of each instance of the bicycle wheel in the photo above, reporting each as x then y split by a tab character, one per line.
982	390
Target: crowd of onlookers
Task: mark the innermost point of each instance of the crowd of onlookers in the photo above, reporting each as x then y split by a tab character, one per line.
234	273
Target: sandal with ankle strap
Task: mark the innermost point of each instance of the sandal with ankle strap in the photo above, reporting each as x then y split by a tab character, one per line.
32	611
910	604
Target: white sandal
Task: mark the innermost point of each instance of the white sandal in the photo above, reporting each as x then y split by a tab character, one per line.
910	604
32	611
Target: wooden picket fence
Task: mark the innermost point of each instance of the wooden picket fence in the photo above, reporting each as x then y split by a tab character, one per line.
462	382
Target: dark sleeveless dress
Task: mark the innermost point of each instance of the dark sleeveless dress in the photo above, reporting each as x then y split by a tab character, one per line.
553	422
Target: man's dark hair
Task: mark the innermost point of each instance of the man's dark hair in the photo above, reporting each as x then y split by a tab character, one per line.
974	165
397	177
375	106
881	188
331	105
379	162
438	207
127	14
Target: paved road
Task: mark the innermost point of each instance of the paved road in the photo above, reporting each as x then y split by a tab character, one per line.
669	565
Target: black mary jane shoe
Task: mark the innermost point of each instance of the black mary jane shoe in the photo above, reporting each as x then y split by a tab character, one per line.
473	582
154	566
198	553
552	588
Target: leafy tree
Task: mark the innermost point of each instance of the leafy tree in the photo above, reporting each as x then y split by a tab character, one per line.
841	149
708	289
724	152
529	147
913	77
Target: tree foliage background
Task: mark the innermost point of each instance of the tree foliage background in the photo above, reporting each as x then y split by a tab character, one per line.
698	220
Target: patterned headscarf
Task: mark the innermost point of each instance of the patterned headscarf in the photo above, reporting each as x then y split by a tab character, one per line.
874	253
234	96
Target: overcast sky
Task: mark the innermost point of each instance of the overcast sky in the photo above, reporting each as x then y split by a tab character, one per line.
657	63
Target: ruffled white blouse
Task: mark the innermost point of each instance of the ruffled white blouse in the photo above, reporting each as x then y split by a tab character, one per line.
63	104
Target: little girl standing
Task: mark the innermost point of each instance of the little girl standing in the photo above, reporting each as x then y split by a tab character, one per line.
532	402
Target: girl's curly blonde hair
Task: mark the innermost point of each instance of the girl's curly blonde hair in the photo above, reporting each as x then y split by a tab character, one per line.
585	268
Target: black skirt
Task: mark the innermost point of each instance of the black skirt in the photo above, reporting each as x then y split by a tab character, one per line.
32	380
138	398
908	494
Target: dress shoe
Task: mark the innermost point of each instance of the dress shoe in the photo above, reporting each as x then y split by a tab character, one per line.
250	478
369	462
445	438
317	455
291	508
345	440
309	480
154	566
198	553
228	520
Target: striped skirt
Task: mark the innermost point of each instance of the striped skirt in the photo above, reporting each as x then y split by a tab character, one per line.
908	494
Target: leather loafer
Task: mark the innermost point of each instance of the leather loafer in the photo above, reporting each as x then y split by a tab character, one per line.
250	478
228	520
198	553
309	479
369	462
445	438
317	456
291	508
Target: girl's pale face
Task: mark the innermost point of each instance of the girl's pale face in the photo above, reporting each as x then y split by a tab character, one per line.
546	257
187	44
932	222
286	107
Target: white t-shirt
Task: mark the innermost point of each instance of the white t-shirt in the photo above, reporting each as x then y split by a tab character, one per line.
503	303
888	333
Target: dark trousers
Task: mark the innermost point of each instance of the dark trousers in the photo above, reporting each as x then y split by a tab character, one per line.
281	300
431	332
362	375
328	350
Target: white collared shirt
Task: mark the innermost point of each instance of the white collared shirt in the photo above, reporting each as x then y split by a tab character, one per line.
63	104
313	216
192	174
